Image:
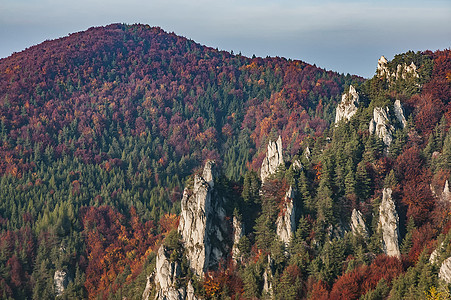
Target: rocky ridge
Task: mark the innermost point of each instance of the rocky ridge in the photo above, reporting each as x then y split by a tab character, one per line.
402	71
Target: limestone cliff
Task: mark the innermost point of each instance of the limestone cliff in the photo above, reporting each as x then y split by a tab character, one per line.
348	105
380	125
168	283
358	226
203	224
402	71
286	223
389	224
237	235
446	194
60	281
399	113
272	160
445	271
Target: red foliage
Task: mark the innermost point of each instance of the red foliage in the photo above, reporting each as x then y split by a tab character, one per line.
319	291
111	244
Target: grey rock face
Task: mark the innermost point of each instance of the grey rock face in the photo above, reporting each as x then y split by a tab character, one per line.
285	222
60	281
348	105
273	159
445	271
201	210
446	194
402	71
237	235
358	226
399	113
166	277
380	125
389	224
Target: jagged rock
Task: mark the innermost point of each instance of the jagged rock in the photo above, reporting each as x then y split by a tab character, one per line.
148	288
445	271
389	224
446	194
402	71
380	125
273	159
285	222
60	282
358	226
307	153
167	274
297	165
267	285
237	235
382	69
399	113
348	105
436	254
200	211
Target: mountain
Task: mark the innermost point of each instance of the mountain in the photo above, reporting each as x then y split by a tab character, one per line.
108	135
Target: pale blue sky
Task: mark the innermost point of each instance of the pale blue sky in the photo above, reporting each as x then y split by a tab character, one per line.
344	36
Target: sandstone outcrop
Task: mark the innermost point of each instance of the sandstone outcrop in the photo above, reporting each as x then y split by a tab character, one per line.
358	226
203	226
380	125
348	105
272	160
389	224
286	223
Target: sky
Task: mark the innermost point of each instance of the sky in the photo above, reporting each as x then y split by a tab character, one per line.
345	36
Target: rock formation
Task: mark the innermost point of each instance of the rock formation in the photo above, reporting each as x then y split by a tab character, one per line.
167	280
445	271
358	226
446	194
167	275
273	159
60	282
399	113
389	224
201	209
237	235
286	223
380	125
382	69
348	105
402	71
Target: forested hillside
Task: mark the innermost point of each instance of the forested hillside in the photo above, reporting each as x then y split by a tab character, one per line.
102	130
